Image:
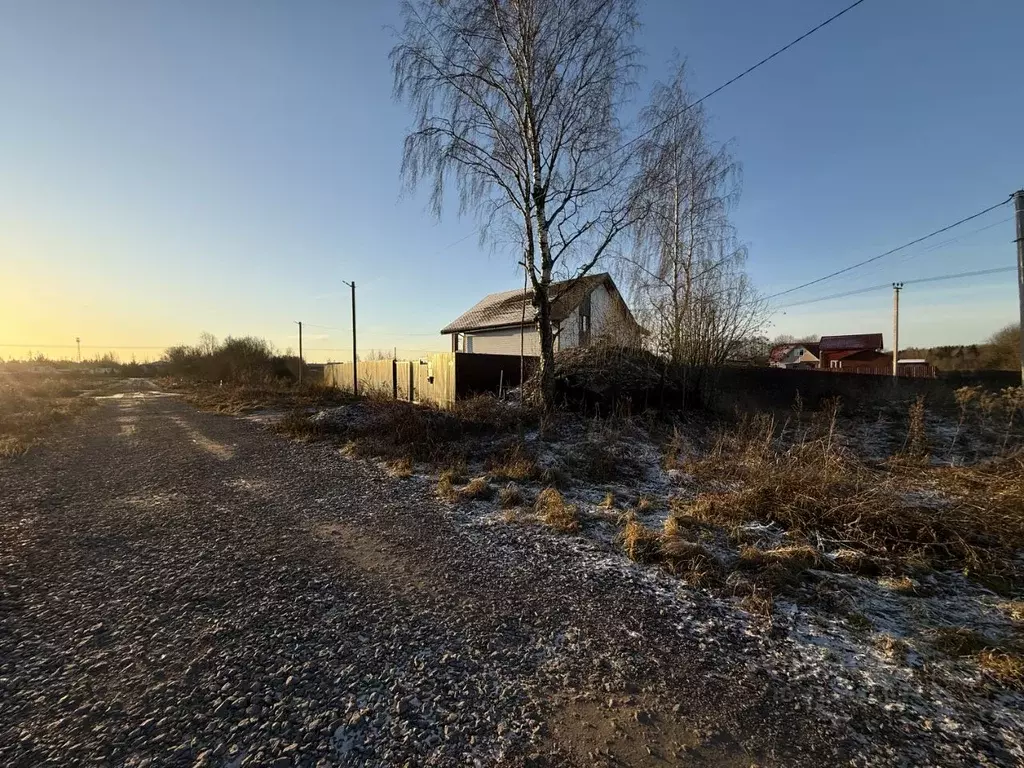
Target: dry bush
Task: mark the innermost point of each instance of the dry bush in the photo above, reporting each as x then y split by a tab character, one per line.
608	502
511	496
674	451
1007	669
554	511
916	447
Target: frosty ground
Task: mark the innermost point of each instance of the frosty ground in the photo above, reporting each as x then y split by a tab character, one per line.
190	588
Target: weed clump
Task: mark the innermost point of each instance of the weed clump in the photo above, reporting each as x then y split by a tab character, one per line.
641	544
1007	669
554	511
511	496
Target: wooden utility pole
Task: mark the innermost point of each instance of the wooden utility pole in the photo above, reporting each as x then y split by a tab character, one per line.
299	323
355	357
78	343
1018	204
896	288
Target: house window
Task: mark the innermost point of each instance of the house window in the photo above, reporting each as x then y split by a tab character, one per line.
585	321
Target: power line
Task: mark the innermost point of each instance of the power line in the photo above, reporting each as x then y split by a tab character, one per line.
937	246
975	273
727	83
87	346
699	101
880	286
887	253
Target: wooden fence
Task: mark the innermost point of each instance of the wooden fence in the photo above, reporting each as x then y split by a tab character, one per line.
440	378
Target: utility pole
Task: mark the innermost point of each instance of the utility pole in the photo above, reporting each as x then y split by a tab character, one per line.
1018	204
299	323
355	360
78	343
896	288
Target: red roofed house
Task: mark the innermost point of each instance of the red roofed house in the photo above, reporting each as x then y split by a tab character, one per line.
857	353
583	311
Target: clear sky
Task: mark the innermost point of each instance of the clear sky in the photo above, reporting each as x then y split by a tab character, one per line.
168	168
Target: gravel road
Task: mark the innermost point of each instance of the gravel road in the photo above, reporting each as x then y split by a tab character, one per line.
184	588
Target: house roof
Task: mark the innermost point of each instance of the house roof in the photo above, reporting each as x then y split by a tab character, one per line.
779	351
498	310
852	353
857	342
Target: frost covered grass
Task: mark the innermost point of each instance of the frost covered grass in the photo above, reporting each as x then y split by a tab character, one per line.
400	431
898	513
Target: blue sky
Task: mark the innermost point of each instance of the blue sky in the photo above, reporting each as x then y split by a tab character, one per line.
173	167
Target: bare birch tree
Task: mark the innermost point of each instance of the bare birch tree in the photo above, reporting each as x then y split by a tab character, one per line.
517	100
687	268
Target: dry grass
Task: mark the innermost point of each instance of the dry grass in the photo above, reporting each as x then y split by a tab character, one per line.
34	406
1007	669
902	585
402	467
511	496
553	510
396	430
641	544
892	648
856	562
245	398
960	641
477	489
1014	609
446	482
514	463
813	486
608	502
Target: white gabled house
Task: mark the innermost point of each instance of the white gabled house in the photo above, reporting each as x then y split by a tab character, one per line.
584	311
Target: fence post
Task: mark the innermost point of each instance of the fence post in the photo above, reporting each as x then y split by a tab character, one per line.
394	379
412	394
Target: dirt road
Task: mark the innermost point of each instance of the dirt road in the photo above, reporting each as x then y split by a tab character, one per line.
185	588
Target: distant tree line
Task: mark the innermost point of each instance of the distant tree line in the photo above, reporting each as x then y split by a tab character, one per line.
1000	353
243	360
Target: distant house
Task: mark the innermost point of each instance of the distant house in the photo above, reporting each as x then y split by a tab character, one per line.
857	353
796	355
583	312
